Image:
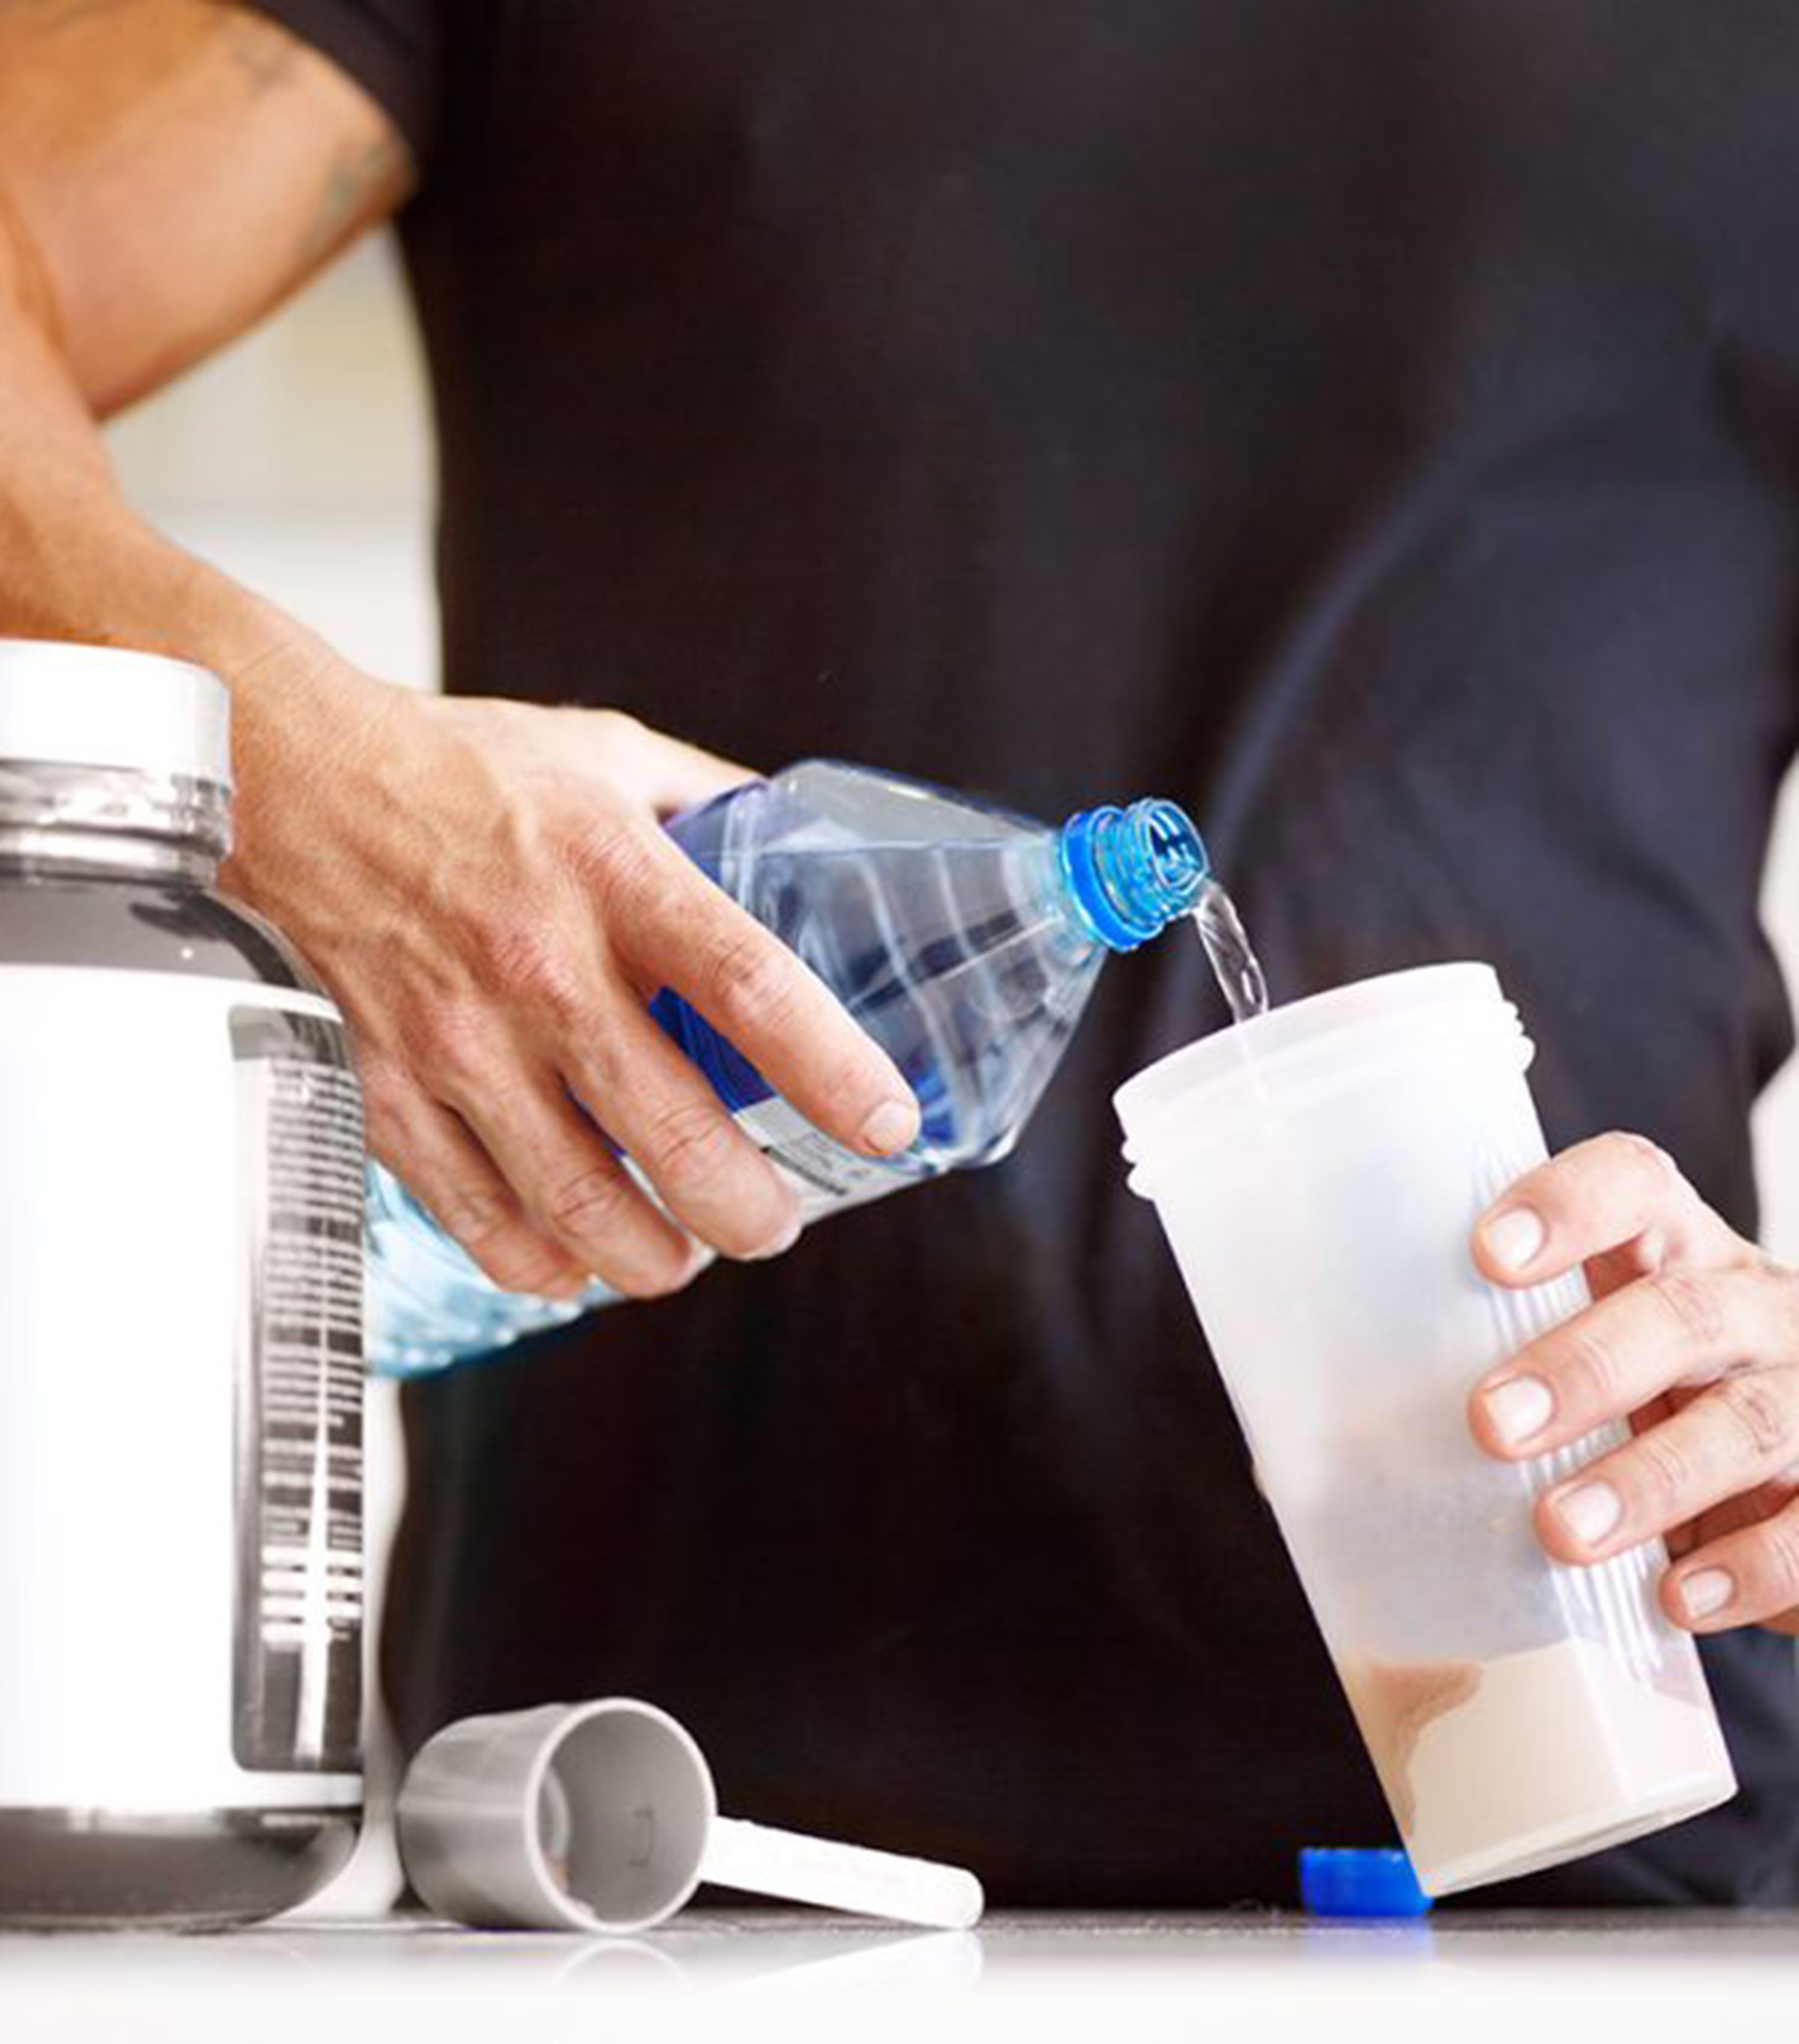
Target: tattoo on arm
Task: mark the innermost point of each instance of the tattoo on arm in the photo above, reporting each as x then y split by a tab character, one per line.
360	181
262	53
367	177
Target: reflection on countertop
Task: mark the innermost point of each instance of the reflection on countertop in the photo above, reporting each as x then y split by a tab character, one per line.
1461	1975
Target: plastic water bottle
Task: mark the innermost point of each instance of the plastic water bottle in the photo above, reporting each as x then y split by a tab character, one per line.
963	939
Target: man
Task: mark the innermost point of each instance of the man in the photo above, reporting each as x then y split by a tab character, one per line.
1374	426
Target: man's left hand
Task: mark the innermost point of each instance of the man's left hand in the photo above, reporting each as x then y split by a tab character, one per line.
1694	1338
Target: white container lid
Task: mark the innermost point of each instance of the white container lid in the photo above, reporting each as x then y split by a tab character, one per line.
103	706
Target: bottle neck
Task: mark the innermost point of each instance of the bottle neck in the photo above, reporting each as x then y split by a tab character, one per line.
1129	872
106	823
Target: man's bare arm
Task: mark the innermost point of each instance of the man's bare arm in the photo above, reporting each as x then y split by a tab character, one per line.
175	168
484	886
169	169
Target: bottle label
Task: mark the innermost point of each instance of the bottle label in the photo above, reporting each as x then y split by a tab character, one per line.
140	1463
297	1673
827	1177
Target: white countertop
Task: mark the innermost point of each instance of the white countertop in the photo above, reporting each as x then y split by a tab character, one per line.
1706	1977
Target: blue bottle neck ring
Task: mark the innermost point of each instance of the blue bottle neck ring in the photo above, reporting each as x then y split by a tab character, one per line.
1131	871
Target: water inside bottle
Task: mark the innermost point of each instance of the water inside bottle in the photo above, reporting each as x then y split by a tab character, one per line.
1232	956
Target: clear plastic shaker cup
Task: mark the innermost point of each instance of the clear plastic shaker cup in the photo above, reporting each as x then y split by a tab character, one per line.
1318	1171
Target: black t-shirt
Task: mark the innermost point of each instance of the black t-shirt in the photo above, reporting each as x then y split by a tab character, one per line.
1374	423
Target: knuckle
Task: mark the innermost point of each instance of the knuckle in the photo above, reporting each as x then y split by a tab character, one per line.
527	965
1780	1288
1780	1545
688	1147
847	1077
384	1092
1664	1472
488	922
476	1215
752	981
611	857
616	726
485	1221
589	1202
1590	1366
608	1069
1758	1414
449	1039
1692	1301
520	1263
1643	1155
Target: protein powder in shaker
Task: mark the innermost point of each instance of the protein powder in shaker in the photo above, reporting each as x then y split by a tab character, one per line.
180	1331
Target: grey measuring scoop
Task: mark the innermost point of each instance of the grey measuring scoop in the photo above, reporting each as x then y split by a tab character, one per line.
603	1817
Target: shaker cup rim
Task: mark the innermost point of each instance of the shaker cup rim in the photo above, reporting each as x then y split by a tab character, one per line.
1304	1051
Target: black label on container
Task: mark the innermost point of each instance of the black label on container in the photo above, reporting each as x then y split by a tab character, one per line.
298	1670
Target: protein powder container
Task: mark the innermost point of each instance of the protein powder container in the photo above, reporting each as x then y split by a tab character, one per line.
180	1331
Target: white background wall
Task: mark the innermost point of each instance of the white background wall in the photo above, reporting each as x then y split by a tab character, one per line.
299	461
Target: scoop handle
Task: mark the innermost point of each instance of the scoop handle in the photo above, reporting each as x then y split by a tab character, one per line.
761	1860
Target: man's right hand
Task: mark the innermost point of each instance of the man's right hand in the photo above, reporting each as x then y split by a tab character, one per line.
485	886
487	890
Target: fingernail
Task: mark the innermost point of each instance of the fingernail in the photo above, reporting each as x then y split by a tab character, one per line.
1706	1590
891	1127
1514	1237
1590	1512
1518	1407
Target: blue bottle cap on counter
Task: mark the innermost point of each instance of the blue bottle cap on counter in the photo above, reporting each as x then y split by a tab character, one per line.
1343	1881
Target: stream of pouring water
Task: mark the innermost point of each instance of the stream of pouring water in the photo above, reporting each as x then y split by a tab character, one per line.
1227	946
